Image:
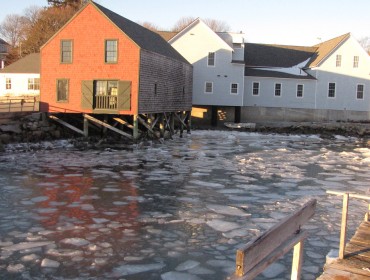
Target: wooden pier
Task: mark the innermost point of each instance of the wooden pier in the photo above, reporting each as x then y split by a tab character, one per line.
353	261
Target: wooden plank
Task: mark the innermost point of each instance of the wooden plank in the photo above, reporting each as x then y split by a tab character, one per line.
121	121
272	257
343	228
297	261
351	266
256	250
351	194
54	118
90	118
361	252
147	126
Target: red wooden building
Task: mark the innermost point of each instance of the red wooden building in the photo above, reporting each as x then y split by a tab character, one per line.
109	69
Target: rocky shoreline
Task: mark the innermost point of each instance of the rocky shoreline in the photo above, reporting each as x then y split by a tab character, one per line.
35	128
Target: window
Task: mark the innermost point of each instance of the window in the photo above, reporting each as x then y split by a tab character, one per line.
338	62
66	51
331	90
62	90
299	90
360	91
33	84
211	59
111	51
234	89
256	88
106	87
356	60
277	89
208	87
8	83
155	88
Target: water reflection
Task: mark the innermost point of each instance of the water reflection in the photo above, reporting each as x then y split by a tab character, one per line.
173	211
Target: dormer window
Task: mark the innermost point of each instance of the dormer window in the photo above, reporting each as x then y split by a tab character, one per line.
211	59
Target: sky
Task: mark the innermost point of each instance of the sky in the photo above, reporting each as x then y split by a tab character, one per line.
288	22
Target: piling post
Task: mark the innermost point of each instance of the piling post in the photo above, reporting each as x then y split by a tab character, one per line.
136	127
86	127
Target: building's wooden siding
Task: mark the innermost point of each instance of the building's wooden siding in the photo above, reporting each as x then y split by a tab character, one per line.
88	31
165	84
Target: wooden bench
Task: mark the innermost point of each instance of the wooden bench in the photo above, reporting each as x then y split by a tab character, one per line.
258	254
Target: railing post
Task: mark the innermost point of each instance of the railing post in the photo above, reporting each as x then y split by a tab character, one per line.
297	261
367	214
343	230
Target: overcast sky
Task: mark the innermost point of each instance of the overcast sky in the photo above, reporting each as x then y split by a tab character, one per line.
291	22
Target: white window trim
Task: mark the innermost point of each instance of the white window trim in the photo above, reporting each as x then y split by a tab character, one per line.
281	89
259	88
296	91
363	92
214	60
335	91
205	88
237	88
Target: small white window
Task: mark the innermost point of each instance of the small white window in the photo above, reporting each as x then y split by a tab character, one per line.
208	87
256	88
338	62
211	59
8	83
356	60
360	91
277	89
331	90
234	89
299	91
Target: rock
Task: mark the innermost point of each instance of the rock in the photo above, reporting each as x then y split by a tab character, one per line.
13	128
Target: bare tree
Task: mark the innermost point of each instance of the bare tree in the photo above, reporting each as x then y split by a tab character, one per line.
12	29
215	24
365	43
64	3
149	25
182	23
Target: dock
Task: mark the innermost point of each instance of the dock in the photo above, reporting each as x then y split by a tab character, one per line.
353	261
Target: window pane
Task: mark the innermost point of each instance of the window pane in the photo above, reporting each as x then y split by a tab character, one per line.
360	91
209	87
8	83
234	88
331	91
299	90
339	60
62	94
256	87
211	59
112	87
111	50
277	89
356	60
66	55
101	88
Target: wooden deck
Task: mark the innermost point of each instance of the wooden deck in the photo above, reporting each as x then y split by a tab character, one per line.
356	263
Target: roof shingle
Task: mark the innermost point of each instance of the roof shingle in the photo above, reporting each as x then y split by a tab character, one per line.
29	64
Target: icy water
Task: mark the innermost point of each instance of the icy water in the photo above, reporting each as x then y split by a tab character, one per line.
177	210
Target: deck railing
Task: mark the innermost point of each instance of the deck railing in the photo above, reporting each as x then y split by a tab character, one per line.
343	228
108	102
19	104
257	255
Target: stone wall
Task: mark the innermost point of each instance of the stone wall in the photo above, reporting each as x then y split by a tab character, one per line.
28	128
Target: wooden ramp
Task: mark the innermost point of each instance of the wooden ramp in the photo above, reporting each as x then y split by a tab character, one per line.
355	262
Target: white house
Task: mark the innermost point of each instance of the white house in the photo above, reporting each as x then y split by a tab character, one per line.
218	65
4	50
326	82
21	78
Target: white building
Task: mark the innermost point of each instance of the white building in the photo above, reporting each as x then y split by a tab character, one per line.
326	82
21	78
234	81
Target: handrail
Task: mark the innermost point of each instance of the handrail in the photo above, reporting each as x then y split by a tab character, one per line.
343	228
21	104
257	255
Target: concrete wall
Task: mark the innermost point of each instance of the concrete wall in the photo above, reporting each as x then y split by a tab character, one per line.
270	114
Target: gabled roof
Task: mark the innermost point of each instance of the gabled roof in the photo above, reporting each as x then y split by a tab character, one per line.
144	38
2	42
194	23
29	64
326	48
167	35
261	55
